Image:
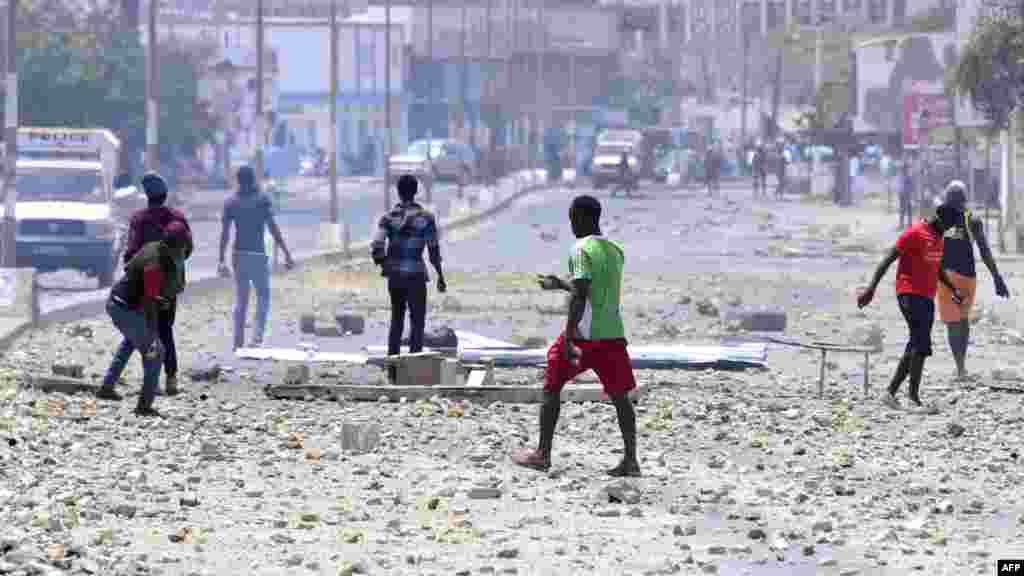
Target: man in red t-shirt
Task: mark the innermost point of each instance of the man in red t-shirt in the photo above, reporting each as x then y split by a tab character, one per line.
919	251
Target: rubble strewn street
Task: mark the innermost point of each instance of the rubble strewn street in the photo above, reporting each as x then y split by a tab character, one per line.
744	472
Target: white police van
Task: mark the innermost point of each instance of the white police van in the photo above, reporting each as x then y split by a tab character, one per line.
69	215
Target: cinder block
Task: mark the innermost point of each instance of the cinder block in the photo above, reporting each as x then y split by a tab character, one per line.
350	322
307	324
297	375
359	438
69	370
763	321
329	331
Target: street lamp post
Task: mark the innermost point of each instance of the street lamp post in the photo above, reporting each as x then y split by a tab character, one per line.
152	116
10	259
332	140
387	105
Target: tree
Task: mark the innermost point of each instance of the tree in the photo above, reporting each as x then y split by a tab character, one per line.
87	71
989	70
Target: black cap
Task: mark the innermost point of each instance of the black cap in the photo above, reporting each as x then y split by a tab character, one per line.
154	186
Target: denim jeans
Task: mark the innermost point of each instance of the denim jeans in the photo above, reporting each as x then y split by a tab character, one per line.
408	293
125	350
251	270
132	324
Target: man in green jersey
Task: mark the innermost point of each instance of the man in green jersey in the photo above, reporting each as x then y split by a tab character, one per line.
594	337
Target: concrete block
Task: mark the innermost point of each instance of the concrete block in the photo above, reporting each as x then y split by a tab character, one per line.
349	322
329	331
359	438
18	296
763	321
422	369
69	370
449	372
297	375
307	323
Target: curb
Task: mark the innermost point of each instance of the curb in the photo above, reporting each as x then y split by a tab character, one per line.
204	286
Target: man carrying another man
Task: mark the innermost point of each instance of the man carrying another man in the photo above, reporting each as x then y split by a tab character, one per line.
919	251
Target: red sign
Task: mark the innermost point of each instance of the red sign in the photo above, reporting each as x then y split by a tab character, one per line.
923	112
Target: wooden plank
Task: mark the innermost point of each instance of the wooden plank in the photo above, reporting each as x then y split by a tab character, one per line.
506	394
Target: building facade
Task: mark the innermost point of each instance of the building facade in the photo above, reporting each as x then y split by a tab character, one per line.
298	102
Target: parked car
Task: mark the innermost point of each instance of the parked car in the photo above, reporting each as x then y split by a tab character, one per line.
451	160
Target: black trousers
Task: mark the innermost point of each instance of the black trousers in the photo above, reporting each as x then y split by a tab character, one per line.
407	293
165	326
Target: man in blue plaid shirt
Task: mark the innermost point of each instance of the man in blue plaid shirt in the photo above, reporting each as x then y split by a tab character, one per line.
397	248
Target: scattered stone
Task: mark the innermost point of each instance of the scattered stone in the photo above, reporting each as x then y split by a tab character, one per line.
622	493
359	438
211	374
125	511
297	375
763	321
955	430
508	553
189	502
484	493
349	322
756	534
708	308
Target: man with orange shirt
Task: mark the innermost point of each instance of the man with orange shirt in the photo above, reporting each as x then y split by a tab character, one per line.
919	251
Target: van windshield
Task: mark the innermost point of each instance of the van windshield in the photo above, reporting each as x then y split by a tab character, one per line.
614	149
59	185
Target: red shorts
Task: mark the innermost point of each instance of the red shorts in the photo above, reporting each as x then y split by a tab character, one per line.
607	358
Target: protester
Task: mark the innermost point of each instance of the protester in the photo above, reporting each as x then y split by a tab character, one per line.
760	169
134	306
906	193
397	248
712	169
150	225
958	262
780	169
594	336
919	251
251	212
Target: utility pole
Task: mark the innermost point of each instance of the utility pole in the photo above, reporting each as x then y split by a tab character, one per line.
430	100
259	128
743	111
10	255
815	158
463	64
332	140
387	106
152	115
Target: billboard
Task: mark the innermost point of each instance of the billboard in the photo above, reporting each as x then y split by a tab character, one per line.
889	68
925	108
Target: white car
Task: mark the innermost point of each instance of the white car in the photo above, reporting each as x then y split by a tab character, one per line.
451	160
